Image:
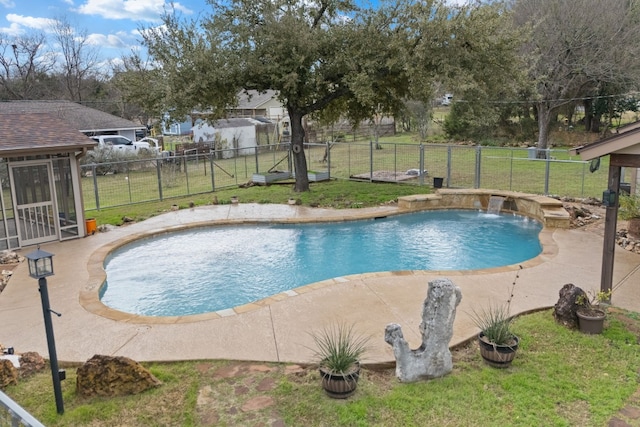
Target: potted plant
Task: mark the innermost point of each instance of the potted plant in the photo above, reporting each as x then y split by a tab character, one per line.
498	344
591	316
339	349
630	211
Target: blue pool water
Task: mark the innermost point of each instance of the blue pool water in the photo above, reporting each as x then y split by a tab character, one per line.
209	269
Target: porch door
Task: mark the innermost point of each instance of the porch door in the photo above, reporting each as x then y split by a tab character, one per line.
34	197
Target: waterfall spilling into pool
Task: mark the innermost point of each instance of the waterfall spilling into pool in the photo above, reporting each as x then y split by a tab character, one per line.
495	204
218	267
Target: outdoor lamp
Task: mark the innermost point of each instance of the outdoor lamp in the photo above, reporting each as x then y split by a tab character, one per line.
41	266
40	263
609	198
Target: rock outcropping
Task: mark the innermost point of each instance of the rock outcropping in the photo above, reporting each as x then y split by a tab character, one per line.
113	376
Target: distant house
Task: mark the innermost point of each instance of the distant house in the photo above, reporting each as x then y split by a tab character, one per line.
254	104
41	144
176	128
87	120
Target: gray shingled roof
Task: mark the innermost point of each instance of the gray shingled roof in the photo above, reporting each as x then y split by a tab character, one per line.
27	133
78	116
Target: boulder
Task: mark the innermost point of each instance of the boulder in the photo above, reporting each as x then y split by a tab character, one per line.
8	373
565	309
433	358
30	363
113	376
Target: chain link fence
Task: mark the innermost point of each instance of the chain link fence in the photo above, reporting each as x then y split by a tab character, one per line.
548	172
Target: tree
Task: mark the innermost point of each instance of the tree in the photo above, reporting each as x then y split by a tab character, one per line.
79	63
24	64
326	58
577	47
316	55
141	87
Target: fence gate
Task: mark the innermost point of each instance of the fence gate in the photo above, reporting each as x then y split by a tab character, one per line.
35	208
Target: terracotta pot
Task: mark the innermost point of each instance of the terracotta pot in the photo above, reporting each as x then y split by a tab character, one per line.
498	356
591	321
338	385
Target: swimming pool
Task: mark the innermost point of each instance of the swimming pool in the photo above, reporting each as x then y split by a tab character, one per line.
218	267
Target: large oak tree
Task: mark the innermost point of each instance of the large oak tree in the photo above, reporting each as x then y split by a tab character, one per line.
323	57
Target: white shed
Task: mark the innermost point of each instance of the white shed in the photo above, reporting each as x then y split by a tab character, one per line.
236	136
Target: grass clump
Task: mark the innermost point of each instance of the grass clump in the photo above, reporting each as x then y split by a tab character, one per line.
339	347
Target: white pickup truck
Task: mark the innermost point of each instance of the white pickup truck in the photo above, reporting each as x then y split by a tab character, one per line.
122	144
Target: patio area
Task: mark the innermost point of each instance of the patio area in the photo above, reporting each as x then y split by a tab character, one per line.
277	328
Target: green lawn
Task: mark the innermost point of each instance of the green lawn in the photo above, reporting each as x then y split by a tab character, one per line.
559	377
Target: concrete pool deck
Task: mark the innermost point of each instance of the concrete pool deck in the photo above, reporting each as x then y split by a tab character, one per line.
277	328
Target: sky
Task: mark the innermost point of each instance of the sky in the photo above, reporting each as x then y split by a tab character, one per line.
111	25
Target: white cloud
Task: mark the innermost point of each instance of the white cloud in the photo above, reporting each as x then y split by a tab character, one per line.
43	24
8	3
136	10
108	41
13	30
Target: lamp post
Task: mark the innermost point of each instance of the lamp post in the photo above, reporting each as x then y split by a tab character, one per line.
41	266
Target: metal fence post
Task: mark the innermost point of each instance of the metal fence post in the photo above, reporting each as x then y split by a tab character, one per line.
449	154
476	180
159	173
329	158
421	156
547	169
255	150
95	185
186	172
370	161
213	180
126	178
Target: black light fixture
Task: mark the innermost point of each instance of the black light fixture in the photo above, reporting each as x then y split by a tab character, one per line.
609	198
40	263
40	267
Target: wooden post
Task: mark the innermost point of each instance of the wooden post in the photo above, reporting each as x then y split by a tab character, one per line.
610	225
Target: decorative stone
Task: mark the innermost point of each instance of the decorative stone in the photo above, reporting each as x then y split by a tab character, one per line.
433	358
113	376
30	363
565	309
8	373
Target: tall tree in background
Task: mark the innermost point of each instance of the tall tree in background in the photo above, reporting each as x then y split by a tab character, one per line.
578	48
24	67
78	66
141	86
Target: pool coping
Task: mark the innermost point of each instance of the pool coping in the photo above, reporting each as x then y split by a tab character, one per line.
89	296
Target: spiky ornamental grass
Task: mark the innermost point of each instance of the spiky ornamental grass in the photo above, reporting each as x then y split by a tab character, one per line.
339	347
495	320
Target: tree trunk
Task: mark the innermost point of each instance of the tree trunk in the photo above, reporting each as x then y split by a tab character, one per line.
588	114
297	151
544	123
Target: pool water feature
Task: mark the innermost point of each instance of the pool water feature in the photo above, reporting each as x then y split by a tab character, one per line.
218	267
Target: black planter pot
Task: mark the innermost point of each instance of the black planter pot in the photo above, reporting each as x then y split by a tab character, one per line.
338	385
591	321
498	356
